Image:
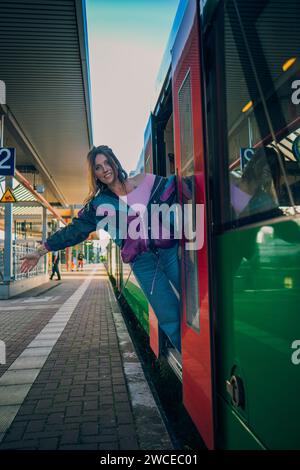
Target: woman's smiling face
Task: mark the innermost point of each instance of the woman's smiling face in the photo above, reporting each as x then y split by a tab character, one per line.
104	170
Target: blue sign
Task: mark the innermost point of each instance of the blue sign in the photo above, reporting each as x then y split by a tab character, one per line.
7	161
245	156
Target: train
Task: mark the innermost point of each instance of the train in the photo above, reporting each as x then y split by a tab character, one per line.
227	92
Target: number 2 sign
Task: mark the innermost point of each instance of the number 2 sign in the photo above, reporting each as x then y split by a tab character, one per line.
7	161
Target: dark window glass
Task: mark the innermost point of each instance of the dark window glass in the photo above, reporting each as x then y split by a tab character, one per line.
262	110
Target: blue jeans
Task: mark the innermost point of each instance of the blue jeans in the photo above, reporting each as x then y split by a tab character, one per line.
154	273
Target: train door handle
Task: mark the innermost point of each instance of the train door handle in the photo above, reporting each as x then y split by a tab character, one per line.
235	389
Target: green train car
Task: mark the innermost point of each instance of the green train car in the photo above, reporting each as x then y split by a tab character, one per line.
227	117
127	285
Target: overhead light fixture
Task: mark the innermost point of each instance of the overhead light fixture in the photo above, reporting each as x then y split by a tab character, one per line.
40	188
247	106
288	64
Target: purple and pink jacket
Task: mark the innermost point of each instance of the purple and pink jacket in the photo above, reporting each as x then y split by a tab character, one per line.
163	192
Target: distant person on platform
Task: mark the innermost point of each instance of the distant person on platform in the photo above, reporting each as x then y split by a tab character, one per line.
55	265
80	259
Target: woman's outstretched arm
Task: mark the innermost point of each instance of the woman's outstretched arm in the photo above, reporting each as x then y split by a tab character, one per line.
75	232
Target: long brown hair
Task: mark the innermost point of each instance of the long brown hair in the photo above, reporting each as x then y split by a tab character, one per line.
94	184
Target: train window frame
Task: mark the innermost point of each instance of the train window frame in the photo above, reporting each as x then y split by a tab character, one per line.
215	113
192	317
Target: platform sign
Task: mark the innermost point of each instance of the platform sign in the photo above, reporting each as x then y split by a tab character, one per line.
245	156
7	161
8	196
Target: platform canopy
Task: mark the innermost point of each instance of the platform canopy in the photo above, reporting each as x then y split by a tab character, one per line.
44	64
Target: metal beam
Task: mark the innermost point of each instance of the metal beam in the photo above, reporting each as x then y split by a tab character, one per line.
8	226
40	198
44	234
24	204
80	7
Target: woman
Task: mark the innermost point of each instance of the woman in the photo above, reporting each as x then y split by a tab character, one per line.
153	259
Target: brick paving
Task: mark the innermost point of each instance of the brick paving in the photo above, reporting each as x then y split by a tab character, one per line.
20	321
80	398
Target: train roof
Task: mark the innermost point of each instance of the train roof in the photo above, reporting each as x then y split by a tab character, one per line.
163	80
206	8
165	65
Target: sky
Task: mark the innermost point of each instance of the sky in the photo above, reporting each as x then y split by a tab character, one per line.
127	39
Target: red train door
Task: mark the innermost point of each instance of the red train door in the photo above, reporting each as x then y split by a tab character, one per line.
189	153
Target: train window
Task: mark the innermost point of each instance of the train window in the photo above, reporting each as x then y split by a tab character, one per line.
187	173
169	147
261	80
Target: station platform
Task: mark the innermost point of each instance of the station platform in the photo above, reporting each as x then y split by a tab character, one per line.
72	378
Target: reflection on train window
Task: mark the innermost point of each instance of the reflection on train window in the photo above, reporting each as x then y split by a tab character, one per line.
187	172
148	164
257	189
262	66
